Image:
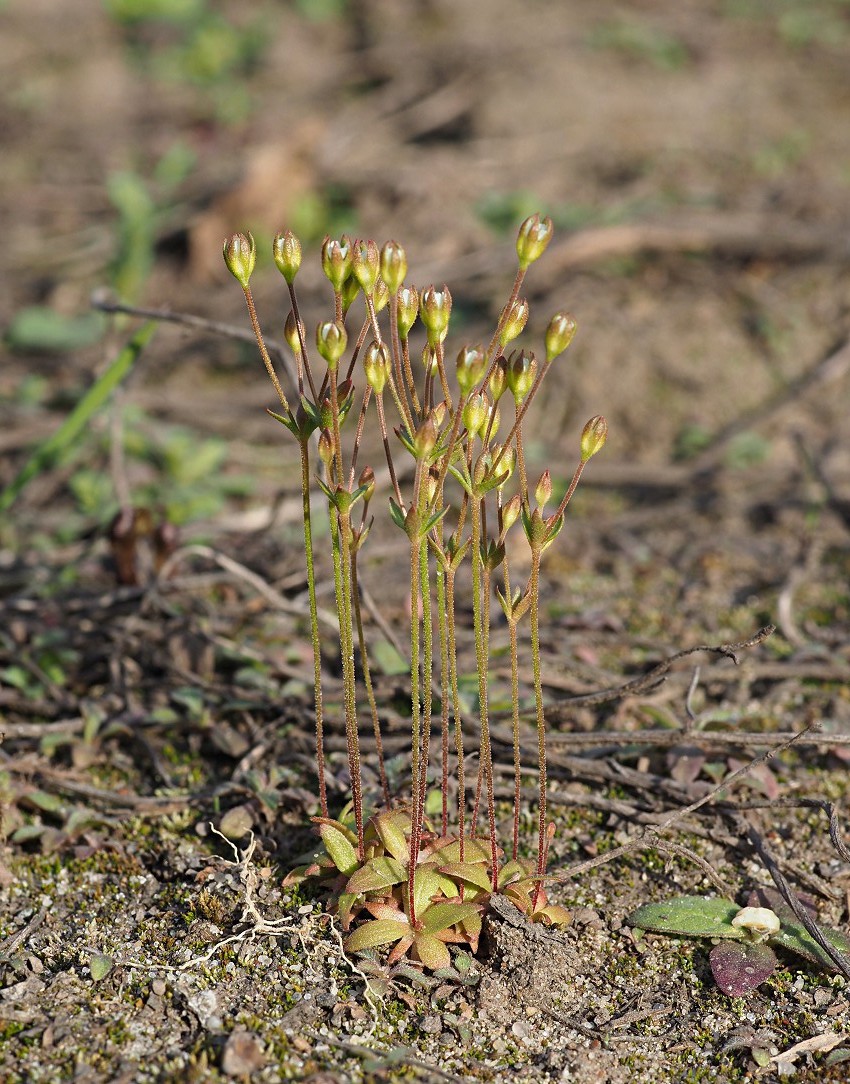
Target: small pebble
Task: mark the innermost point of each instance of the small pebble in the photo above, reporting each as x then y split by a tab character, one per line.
242	1055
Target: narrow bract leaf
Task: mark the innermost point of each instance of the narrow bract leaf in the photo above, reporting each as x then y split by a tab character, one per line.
397	515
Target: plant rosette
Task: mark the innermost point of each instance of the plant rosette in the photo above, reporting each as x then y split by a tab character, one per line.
452	886
743	956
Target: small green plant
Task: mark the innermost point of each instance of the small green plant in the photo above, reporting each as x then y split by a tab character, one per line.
743	957
424	886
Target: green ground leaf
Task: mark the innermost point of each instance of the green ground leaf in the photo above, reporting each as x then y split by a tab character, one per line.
390	830
689	916
377	874
342	853
432	951
794	937
440	916
474	873
100	966
380	931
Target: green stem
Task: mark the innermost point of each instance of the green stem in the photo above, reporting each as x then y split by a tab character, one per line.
534	589
442	632
427	675
415	709
314	623
480	612
512	626
458	722
367	678
341	539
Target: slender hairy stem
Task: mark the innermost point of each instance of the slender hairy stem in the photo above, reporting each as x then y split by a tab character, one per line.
401	357
367	677
415	707
314	623
458	721
480	611
534	589
427	676
379	403
442	632
512	627
305	357
341	538
267	361
492	353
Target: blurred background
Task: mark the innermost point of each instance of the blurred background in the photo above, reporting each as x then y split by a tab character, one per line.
693	154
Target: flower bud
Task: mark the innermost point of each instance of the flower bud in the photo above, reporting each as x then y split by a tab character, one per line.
593	437
559	334
336	261
516	317
522	370
326	447
331	339
431	486
471	365
533	237
439	414
380	296
425	439
408	309
498	379
367	478
476	412
290	333
287	254
240	255
507	460
348	293
435	310
393	265
376	365
543	490
365	265
510	513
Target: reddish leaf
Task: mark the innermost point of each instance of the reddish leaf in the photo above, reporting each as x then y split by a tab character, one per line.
739	966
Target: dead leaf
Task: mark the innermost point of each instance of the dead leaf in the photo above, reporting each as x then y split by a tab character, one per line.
821	1044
